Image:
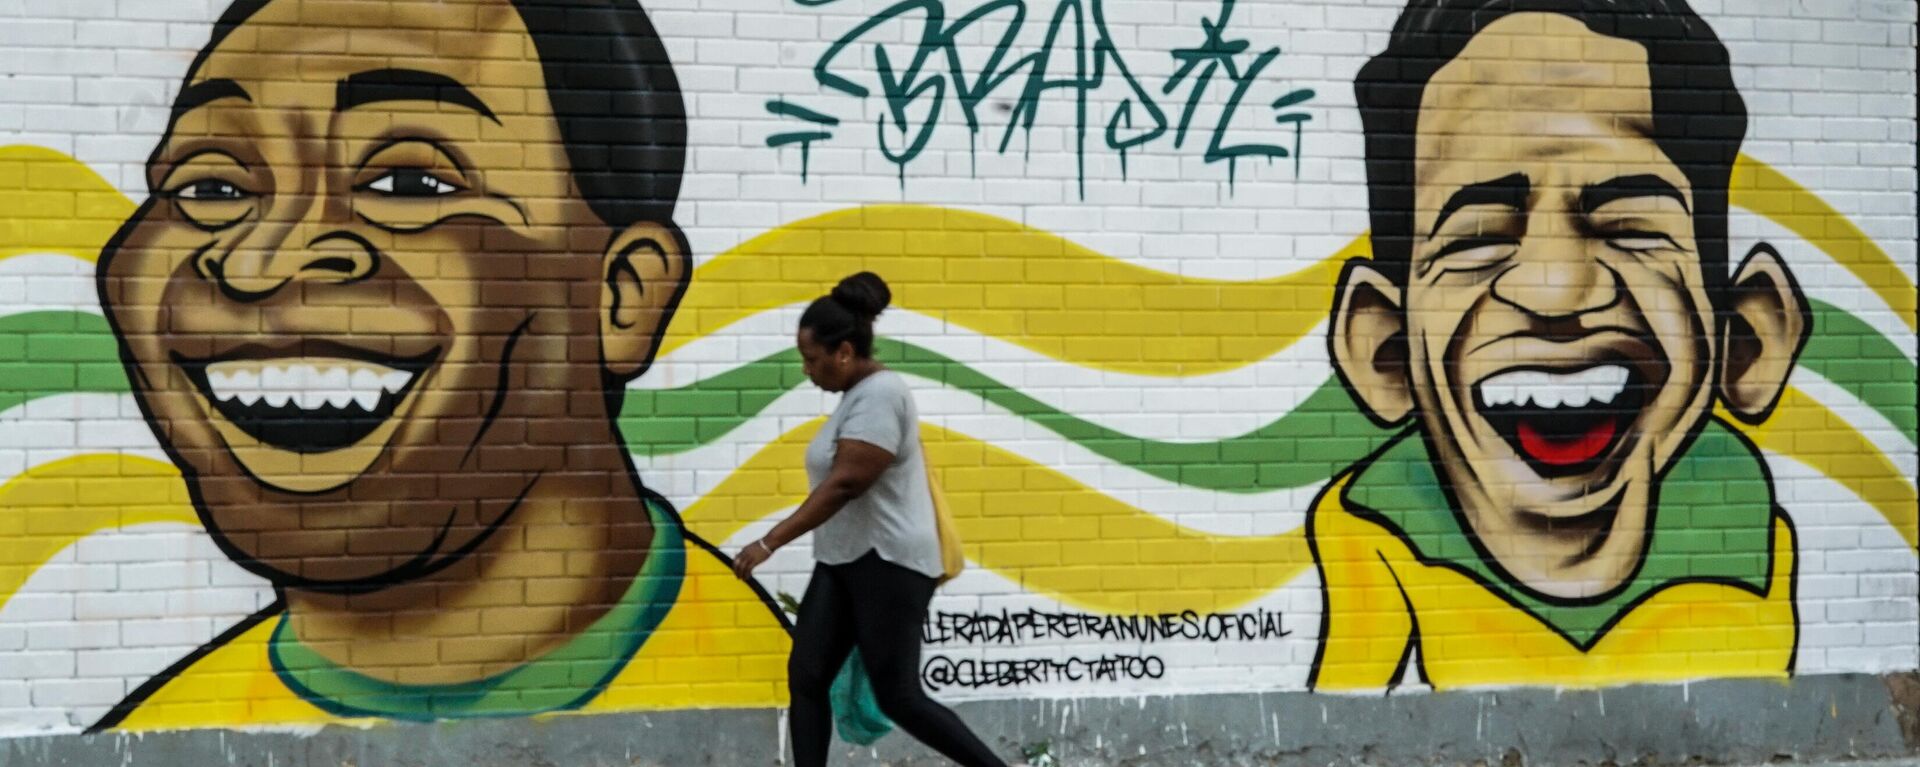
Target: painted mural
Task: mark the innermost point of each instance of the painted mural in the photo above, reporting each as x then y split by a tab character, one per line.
437	355
1538	307
352	362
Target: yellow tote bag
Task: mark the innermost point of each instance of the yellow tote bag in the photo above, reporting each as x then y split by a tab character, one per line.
952	558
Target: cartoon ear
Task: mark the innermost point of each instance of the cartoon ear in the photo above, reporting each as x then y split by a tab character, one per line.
1766	323
646	267
1368	342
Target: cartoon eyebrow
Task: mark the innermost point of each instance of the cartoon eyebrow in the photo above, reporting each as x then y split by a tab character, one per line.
405	85
1509	190
1628	187
199	94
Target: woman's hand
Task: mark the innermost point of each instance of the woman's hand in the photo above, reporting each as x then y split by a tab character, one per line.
751	557
856	466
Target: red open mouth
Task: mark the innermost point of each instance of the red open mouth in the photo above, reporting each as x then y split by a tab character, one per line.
1558	450
1563	423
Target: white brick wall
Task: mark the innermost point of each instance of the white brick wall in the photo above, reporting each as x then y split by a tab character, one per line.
1829	85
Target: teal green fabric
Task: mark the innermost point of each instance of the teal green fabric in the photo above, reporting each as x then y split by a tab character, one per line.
1713	521
567	677
856	711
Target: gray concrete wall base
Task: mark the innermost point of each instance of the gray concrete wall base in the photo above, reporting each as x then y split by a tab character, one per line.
1717	722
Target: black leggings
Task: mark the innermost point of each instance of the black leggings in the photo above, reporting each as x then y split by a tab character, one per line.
879	606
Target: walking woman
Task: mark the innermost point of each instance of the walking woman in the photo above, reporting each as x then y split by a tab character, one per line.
875	541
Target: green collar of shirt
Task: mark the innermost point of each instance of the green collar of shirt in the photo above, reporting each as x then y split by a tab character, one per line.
566	678
1712	522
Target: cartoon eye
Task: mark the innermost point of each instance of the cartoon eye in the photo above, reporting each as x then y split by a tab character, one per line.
212	204
1640	242
1472	254
209	189
411	182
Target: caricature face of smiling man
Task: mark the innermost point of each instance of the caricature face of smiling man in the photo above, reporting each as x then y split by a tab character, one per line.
368	306
1555	330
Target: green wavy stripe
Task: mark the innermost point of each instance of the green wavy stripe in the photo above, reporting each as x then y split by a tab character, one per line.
43	354
1306	446
63	352
1853	355
1325	433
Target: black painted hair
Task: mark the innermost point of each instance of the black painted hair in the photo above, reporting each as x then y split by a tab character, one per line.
613	91
846	315
1699	118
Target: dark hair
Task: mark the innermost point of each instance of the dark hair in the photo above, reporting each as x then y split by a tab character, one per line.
613	92
846	315
1699	118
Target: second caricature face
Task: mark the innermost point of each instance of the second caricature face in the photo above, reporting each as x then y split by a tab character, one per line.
366	304
1554	332
1559	319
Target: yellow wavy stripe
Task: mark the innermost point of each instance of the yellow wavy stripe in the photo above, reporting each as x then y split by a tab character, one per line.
1050	295
1758	187
1024	521
52	203
1039	528
1021	285
48	508
1806	431
994	276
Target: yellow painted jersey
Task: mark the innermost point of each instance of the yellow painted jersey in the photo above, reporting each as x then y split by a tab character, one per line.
1389	612
719	646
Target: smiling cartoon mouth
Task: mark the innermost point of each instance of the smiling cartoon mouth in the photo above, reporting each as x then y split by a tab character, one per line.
306	404
1562	423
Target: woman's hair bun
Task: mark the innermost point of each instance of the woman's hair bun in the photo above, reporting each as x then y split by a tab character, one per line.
864	294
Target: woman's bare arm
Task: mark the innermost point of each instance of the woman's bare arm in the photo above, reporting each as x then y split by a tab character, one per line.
856	466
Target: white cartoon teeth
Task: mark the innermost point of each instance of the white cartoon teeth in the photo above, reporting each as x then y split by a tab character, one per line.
307	383
1539	388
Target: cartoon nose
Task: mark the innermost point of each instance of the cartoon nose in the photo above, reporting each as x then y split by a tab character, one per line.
252	274
1557	278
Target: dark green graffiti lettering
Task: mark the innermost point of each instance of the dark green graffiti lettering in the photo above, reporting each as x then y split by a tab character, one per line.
1076	58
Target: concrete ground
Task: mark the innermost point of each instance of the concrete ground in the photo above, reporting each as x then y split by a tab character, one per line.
1851	720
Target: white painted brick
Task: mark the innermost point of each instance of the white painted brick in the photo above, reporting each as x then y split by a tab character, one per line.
167	632
1830	635
135	664
121	91
36	89
213	601
98	606
1890	585
763	26
163	575
1863	610
39	607
1869	561
57	693
68	577
37	665
49	33
127	547
740	52
117	33
73	636
1828	86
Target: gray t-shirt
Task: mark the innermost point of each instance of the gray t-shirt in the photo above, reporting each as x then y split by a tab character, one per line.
894	517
